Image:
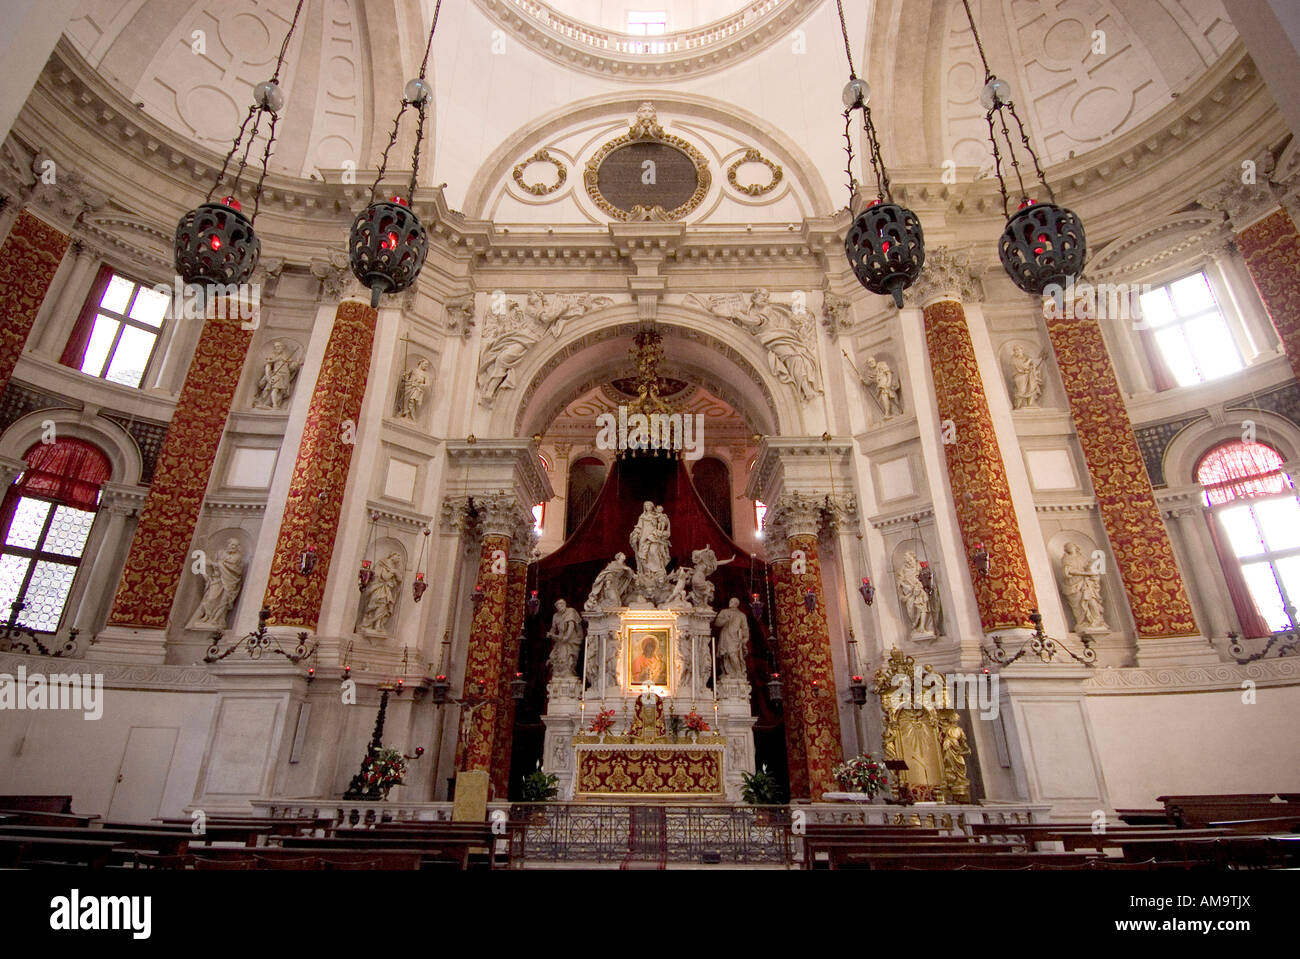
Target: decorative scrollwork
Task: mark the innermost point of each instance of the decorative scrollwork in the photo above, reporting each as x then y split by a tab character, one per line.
259	642
540	189
1289	640
22	639
754	189
1041	645
645	128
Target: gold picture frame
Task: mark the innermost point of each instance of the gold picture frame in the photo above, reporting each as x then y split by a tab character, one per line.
650	654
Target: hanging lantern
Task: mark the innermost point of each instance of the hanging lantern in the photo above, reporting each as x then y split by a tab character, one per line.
215	244
774	689
307	561
518	687
810	599
476	597
418	587
926	576
1043	244
533	603
867	590
366	576
440	689
388	243
980	559
858	690
885	245
756	606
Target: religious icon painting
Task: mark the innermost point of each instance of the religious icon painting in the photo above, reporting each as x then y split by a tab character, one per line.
647	653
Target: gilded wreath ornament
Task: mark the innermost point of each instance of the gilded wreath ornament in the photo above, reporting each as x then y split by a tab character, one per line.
754	189
539	188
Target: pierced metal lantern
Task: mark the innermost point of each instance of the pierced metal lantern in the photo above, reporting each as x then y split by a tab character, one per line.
886	249
774	689
533	604
867	590
307	561
387	247
858	690
215	244
1042	245
756	606
518	687
810	599
925	576
365	576
418	587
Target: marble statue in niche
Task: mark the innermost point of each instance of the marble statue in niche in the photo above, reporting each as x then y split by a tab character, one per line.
223	578
1083	590
733	639
513	330
884	383
1026	378
412	387
380	598
916	600
788	336
566	635
279	372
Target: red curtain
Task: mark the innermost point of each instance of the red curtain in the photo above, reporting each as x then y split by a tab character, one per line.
74	353
1252	623
1239	470
1160	373
68	471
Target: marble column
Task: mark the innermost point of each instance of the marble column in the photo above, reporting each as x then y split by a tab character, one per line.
808	644
320	473
1139	540
499	518
29	258
1270	249
976	473
796	758
160	549
503	734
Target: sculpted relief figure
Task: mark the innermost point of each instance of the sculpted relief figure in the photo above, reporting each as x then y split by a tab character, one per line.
1026	379
566	635
1083	591
916	601
224	577
883	381
733	639
611	584
511	332
380	597
411	389
788	337
279	371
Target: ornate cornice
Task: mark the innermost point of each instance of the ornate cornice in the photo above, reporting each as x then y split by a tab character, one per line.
117	675
1172	679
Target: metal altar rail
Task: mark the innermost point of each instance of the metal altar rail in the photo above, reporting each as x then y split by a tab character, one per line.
639	833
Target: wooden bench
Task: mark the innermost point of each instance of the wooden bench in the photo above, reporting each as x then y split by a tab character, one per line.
480	835
269	826
1143	817
247	835
1255	851
164	843
55	804
36	817
306	858
25	852
449	850
1194	811
969	857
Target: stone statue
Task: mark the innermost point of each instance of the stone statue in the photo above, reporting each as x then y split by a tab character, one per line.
955	749
224	577
1083	591
685	662
611	584
411	388
706	564
789	338
566	634
916	601
680	578
512	332
883	381
733	639
650	543
1026	379
279	371
380	597
460	314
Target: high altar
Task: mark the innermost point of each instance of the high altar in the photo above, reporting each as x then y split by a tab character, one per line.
662	709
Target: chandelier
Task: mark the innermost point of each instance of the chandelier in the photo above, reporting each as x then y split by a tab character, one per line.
388	243
885	245
1043	244
215	243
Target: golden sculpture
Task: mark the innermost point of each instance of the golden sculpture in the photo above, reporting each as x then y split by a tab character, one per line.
922	729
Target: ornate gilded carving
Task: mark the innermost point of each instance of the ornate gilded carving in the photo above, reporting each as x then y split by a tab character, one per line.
645	128
922	729
754	189
539	188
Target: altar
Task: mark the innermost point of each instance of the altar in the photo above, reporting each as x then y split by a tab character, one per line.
661	709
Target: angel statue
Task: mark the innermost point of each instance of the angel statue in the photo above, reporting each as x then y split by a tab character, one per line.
706	564
788	337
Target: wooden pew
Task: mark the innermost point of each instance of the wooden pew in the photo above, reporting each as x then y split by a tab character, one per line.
1143	817
819	838
967	857
55	804
26	852
243	833
1197	811
449	850
172	844
483	835
270	826
312	857
36	817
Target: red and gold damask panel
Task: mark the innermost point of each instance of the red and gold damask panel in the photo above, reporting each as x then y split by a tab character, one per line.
1138	538
483	658
809	642
29	257
1271	249
976	473
162	540
667	771
320	472
503	736
796	757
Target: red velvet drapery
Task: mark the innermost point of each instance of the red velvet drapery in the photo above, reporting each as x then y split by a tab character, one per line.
74	352
68	471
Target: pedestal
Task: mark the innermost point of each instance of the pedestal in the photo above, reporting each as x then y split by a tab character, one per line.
129	644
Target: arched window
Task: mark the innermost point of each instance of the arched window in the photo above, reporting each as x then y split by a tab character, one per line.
586	477
712	481
1255	524
46	518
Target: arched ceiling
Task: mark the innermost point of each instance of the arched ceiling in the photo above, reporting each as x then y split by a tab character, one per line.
192	63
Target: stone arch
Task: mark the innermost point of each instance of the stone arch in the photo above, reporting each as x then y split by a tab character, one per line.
1196	439
115	442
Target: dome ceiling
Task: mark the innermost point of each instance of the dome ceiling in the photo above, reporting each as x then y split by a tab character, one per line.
191	65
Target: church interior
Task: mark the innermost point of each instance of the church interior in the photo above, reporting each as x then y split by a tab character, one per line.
786	434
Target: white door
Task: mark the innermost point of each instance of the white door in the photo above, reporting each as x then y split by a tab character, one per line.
138	793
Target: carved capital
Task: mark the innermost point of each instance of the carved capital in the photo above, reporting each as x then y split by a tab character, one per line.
460	314
336	279
62	190
1246	192
501	515
797	514
948	274
837	313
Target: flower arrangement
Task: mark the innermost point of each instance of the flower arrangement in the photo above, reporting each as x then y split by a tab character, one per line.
695	722
538	786
861	774
381	770
761	788
603	722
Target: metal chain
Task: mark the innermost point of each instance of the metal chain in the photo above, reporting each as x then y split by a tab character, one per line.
844	31
988	74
